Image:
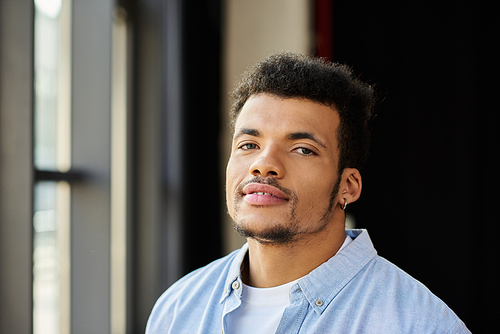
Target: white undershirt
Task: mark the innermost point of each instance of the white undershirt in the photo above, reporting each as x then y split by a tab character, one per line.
261	309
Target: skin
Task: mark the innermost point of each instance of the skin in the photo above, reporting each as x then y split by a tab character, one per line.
280	186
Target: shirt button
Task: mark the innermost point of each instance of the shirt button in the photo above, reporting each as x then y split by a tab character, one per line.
236	285
319	303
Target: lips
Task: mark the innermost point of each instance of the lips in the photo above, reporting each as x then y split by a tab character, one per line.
263	194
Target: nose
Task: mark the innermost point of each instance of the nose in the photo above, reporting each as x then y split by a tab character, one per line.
268	163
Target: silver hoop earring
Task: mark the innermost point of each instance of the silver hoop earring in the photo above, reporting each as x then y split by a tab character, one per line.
345	204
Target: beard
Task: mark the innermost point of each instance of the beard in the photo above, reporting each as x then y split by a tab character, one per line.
284	233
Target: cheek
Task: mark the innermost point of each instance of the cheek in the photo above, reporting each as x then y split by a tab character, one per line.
236	171
230	177
316	190
231	184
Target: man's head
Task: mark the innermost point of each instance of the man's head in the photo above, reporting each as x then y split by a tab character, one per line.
300	136
289	75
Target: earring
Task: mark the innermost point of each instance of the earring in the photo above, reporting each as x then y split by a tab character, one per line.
345	204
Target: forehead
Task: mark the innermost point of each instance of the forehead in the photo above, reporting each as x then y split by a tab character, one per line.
273	114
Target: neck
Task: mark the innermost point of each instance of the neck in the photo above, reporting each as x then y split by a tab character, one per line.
269	265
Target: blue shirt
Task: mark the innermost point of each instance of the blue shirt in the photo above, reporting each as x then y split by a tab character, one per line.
355	291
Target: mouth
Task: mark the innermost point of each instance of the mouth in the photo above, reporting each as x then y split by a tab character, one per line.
263	194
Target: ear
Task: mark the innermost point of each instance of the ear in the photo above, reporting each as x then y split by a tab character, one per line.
350	185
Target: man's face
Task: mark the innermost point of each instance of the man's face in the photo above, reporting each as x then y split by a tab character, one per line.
281	179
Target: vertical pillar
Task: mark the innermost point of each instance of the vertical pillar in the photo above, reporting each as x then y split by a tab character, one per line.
16	165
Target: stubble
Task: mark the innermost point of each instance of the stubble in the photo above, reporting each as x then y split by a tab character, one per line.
287	232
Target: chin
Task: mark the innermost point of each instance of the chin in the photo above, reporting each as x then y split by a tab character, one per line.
266	231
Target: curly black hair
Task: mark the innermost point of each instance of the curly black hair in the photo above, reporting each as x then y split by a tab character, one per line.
290	75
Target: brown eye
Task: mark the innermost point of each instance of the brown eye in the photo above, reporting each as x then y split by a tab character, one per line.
304	151
248	146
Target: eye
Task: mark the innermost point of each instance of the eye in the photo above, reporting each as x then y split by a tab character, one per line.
304	151
248	146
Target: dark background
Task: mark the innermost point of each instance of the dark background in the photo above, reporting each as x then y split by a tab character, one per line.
430	188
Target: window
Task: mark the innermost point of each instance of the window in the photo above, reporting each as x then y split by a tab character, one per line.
80	258
95	223
51	225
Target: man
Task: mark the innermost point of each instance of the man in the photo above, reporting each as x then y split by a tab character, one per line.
300	138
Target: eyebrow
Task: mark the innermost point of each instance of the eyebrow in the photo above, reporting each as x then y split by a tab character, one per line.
305	135
246	131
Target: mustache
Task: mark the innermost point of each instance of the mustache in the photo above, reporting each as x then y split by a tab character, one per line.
265	180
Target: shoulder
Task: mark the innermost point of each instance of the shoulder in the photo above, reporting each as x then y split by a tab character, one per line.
407	300
381	294
201	277
185	297
207	277
388	276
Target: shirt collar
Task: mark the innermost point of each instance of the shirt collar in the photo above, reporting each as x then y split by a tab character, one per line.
322	284
234	273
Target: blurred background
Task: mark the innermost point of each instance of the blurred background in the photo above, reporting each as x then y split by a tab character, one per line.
114	140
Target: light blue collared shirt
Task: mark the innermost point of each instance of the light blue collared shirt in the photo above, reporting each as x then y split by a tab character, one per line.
355	291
